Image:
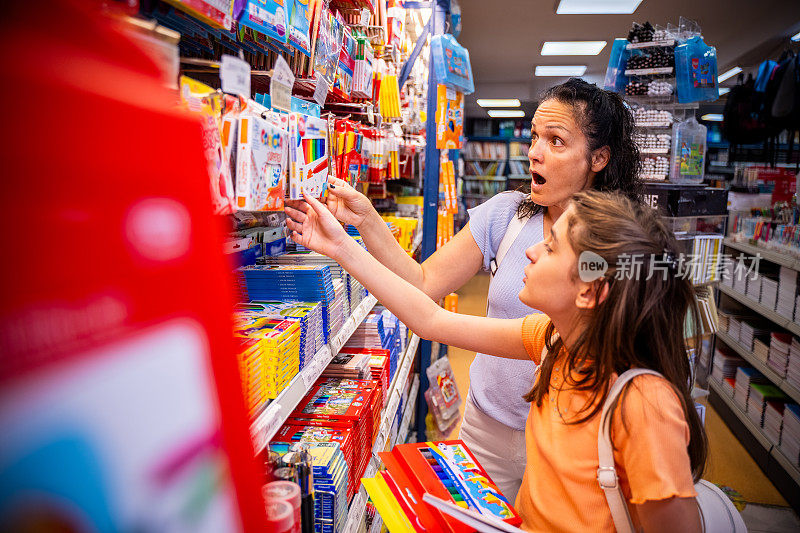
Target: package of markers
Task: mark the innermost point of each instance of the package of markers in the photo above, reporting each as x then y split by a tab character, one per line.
266	16
300	14
363	69
445	469
344	71
207	102
308	153
261	164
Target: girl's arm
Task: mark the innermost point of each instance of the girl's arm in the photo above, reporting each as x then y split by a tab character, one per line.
316	228
442	273
672	514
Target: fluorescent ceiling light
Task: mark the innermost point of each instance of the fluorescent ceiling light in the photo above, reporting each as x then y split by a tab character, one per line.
712	117
560	70
498	102
729	74
506	113
597	7
572	48
796	36
724	90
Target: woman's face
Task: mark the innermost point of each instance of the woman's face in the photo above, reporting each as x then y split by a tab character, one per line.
559	155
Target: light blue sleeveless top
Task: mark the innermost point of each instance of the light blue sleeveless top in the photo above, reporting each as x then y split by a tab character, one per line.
496	384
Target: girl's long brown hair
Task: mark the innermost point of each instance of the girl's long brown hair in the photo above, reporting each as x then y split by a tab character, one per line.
641	323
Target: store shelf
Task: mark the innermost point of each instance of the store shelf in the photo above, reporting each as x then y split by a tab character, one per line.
771	256
653	125
485	159
650	44
741	415
774	451
276	413
762	310
648	71
525	177
483	178
377	524
359	504
654	177
408	414
759	365
519	158
662	151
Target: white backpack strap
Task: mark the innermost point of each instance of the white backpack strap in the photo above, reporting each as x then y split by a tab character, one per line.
514	228
606	473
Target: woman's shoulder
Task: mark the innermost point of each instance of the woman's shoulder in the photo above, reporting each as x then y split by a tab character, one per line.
500	207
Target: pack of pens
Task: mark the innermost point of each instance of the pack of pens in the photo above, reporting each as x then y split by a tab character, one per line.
314	432
322	473
446	470
344	403
308	154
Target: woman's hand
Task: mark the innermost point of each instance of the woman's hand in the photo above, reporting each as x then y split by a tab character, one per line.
315	227
347	204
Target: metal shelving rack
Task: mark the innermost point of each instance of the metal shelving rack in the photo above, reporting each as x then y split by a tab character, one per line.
770	458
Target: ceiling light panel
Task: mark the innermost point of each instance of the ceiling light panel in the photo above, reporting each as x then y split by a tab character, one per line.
560	70
498	102
729	74
712	117
506	113
724	90
597	7
796	36
572	48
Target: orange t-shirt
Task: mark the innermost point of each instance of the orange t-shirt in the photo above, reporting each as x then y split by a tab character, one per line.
559	489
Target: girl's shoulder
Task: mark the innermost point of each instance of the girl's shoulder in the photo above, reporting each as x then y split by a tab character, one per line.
648	396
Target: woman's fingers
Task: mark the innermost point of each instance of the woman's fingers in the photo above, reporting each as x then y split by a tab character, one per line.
298	205
292	225
295	214
315	204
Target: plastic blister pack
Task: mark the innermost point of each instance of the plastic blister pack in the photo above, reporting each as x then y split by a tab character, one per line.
451	61
443	398
688	151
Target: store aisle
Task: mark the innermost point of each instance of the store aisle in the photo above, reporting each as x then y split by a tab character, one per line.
729	463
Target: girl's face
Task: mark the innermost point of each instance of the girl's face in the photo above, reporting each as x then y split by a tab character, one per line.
559	155
551	278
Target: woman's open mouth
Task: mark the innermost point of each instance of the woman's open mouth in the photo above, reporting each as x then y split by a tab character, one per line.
538	179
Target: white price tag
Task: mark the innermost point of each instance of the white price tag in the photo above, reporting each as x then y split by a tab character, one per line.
397	129
370	115
450	93
234	73
269	424
280	85
365	16
321	92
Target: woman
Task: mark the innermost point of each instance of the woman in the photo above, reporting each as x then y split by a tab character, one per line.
581	138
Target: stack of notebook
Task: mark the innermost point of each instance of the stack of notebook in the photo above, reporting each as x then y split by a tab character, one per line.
746	376
793	366
725	363
760	394
779	348
302	283
773	420
787	292
790	435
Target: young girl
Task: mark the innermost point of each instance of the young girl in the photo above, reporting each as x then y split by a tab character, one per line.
593	329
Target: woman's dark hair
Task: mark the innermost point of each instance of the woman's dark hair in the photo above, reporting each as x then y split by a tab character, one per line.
605	120
631	327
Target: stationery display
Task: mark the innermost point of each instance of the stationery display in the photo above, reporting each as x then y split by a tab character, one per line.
446	470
